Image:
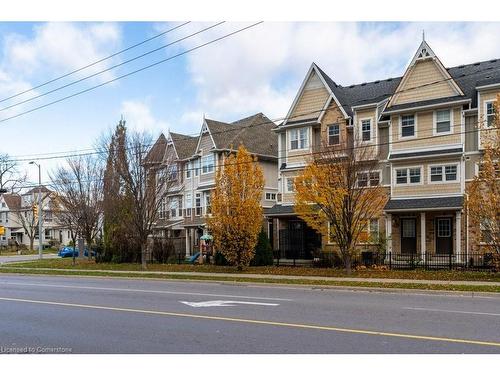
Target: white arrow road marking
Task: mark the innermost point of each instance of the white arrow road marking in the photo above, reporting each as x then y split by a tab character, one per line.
225	303
452	311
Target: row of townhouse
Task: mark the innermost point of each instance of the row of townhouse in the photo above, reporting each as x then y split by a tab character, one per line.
423	127
19	222
192	162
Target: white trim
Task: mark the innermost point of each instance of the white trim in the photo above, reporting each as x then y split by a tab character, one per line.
325	108
368	181
434	121
201	134
490	86
414	136
328	134
437	105
330	91
443	170
286	184
308	139
408	183
372	132
432	148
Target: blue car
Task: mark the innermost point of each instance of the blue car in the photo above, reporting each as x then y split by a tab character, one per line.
67	252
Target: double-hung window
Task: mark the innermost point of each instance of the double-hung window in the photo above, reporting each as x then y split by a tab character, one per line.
408	126
208	163
189	169
362	179
290	184
441	173
366	130
408	176
188	204
299	138
270	196
443	121
368	179
490	113
208	203
197	203
334	134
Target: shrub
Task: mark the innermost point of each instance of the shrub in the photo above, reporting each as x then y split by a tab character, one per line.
163	250
220	259
263	251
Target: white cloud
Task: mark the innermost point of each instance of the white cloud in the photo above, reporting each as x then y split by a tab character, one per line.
57	48
262	68
138	116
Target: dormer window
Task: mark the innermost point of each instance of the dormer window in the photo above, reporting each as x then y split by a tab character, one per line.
407	126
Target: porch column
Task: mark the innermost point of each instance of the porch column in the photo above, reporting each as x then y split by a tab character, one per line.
388	234
187	239
422	234
278	237
458	235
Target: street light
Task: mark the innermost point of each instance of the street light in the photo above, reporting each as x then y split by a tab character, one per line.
40	242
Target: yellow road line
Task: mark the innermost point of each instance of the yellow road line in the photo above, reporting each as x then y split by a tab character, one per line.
262	322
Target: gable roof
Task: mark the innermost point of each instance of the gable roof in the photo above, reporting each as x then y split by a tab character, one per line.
35	190
254	132
467	77
13	201
185	145
155	154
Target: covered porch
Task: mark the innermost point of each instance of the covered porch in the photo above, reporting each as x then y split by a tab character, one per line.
425	230
292	239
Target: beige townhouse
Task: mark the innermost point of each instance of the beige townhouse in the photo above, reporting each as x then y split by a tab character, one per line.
424	130
194	160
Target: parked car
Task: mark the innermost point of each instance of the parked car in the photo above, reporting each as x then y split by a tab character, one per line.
67	252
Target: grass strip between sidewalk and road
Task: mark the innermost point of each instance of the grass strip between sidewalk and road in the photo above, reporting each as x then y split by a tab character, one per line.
14	269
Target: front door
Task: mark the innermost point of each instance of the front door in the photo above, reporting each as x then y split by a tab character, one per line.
408	236
444	240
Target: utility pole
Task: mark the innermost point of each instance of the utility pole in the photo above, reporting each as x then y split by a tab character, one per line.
40	224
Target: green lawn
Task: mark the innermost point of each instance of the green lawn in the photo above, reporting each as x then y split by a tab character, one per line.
83	264
242	278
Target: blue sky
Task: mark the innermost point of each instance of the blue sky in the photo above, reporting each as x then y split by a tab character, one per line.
259	70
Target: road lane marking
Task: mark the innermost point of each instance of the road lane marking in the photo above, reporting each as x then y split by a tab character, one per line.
225	303
145	291
452	311
261	322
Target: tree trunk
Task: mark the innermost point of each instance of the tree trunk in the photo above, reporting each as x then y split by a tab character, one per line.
89	247
32	240
347	263
144	247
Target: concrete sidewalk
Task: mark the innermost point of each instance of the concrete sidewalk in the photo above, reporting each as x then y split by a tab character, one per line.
273	277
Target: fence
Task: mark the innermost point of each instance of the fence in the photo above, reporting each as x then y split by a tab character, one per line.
471	261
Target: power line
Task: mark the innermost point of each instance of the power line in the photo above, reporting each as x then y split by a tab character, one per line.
278	119
132	72
95	62
328	151
110	68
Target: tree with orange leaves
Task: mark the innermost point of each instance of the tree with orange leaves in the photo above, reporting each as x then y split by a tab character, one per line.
236	207
483	204
337	194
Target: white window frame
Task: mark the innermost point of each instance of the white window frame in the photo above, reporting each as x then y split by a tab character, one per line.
369	184
189	169
414	126
198	210
408	183
269	196
294	135
329	135
361	120
443	173
434	122
486	102
286	184
203	163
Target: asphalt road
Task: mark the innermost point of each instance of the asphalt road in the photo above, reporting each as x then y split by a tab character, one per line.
111	315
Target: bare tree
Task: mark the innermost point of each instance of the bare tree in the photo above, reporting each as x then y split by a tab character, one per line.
11	178
146	184
79	186
27	215
339	191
